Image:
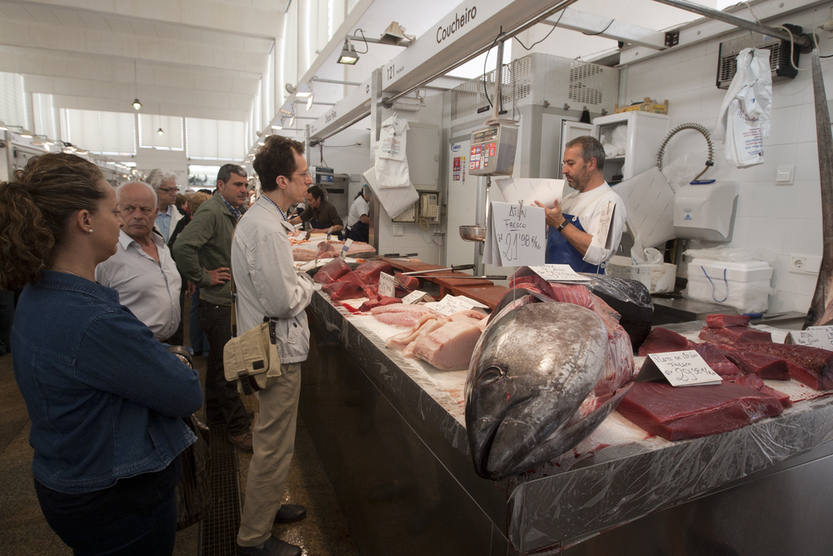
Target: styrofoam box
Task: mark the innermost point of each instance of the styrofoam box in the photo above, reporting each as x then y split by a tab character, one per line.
744	286
741	271
747	297
656	277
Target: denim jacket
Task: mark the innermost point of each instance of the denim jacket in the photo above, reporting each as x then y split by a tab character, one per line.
106	400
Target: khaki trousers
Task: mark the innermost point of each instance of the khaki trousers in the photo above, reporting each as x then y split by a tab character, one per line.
273	440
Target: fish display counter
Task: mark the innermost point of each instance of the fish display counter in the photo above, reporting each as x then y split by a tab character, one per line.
390	431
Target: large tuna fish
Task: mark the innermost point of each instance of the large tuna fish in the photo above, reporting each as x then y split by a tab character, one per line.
530	378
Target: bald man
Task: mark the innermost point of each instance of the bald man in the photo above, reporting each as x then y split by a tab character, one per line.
142	270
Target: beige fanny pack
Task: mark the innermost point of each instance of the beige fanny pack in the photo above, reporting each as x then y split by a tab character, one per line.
252	357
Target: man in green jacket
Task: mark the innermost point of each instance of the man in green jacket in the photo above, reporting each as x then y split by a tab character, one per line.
202	252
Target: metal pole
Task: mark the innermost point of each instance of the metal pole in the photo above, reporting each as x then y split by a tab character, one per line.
333	81
498	105
801	41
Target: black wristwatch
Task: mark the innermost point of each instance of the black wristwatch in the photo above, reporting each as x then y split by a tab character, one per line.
563	225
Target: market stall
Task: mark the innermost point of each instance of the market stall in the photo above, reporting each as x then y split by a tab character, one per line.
400	463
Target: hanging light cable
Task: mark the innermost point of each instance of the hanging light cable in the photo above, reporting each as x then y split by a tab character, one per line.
137	104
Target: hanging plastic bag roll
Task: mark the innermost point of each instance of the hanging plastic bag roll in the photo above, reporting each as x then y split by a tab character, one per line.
744	117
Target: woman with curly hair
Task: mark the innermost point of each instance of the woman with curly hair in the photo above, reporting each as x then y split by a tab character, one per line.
105	399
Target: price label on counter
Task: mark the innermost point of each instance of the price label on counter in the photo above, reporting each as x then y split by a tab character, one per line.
450	304
815	336
387	285
680	368
558	273
413	297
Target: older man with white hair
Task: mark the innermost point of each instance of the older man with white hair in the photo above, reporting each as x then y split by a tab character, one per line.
142	270
167	217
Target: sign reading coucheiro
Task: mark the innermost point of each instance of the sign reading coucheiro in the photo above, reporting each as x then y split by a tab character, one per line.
444	32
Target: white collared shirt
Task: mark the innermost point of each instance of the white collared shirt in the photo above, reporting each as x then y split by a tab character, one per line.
593	210
148	288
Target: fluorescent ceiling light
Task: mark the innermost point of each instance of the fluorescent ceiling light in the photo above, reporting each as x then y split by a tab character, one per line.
277	126
348	53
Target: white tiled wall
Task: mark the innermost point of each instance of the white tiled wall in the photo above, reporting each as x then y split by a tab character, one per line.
784	219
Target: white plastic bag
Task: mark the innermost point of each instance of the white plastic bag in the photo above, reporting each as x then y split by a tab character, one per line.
744	117
391	164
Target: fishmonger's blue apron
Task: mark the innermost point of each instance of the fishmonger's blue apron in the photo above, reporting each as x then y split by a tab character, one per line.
559	250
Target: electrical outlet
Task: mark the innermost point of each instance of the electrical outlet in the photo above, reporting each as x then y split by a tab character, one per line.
784	174
804	264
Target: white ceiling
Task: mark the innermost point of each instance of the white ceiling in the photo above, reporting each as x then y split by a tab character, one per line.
203	58
199	58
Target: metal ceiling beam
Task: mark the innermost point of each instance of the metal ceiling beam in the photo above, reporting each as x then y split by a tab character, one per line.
802	41
705	29
316	79
604	26
468	30
192	14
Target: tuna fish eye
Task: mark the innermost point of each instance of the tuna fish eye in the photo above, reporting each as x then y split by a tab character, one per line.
492	374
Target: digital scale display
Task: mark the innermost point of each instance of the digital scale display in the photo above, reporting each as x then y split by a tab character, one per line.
493	150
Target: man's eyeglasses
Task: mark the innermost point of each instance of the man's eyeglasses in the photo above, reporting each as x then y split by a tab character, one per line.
166	189
302	174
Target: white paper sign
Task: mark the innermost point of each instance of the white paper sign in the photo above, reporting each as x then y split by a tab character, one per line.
387	285
685	368
558	273
779	335
815	336
451	304
543	190
413	297
516	233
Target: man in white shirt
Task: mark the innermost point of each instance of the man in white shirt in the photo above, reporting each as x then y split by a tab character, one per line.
358	218
142	270
585	226
269	286
168	215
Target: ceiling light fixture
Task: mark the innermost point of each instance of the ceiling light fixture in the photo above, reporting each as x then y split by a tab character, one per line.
277	126
348	55
160	131
137	104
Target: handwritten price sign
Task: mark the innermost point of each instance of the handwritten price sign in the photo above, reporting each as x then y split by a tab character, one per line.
516	235
685	368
